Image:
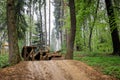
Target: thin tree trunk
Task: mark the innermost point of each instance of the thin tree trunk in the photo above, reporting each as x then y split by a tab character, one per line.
41	29
66	37
62	23
14	55
49	20
92	27
113	27
45	22
71	39
30	23
84	36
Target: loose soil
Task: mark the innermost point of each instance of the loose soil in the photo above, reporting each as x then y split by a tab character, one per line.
52	70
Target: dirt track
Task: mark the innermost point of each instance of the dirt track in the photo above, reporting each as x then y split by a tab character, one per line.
51	70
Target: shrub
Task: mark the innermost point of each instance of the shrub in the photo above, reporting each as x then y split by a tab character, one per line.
3	60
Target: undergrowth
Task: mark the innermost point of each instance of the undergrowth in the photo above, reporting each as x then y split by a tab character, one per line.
3	60
108	64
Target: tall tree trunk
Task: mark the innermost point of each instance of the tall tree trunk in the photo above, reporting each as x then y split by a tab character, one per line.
14	56
45	22
113	27
62	23
92	27
84	36
30	23
40	26
70	44
49	20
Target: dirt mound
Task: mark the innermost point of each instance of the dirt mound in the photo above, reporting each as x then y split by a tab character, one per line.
51	70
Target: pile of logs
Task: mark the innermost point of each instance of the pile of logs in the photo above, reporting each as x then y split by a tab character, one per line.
28	53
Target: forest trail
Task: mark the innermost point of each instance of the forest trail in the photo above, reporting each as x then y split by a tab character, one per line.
51	70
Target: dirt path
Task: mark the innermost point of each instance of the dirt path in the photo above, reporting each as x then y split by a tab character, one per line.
51	70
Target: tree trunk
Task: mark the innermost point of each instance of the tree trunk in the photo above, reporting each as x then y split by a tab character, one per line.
14	56
40	26
62	22
113	27
71	39
30	22
84	36
45	22
49	20
92	27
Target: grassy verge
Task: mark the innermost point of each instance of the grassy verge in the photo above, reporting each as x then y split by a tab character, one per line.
107	64
3	60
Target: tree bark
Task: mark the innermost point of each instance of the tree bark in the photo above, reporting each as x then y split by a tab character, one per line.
49	20
113	27
45	22
71	39
62	23
40	26
30	22
14	56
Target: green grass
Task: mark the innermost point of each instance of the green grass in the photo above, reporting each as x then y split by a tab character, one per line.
3	60
107	64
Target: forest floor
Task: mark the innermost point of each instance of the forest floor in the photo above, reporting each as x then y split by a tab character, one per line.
52	70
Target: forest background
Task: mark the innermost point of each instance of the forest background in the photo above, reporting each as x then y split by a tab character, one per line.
97	28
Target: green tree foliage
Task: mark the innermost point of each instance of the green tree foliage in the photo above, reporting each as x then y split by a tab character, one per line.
93	31
37	27
88	19
20	18
3	27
